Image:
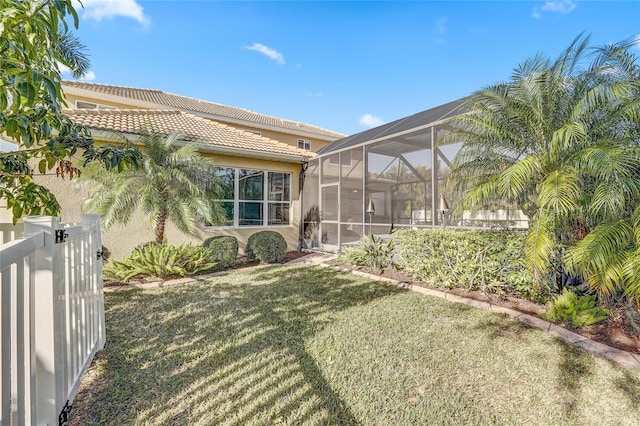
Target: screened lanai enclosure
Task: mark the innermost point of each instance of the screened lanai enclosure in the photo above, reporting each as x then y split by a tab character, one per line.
387	178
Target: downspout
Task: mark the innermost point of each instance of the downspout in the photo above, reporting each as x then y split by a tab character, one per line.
303	169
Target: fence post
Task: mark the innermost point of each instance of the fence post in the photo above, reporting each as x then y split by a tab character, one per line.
48	278
93	220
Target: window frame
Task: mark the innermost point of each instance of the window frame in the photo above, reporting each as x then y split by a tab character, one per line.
87	106
306	144
269	207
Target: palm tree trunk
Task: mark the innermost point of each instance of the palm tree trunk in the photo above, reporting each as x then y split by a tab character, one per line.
161	221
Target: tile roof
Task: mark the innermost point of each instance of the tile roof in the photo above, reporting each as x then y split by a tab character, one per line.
159	99
190	126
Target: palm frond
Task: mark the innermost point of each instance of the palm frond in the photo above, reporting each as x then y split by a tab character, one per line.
519	176
559	191
539	245
600	256
71	52
631	273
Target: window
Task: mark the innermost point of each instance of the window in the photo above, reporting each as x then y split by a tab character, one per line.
254	197
86	105
227	190
304	144
90	105
279	192
250	196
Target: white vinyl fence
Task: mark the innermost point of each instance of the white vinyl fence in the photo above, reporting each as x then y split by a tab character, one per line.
51	316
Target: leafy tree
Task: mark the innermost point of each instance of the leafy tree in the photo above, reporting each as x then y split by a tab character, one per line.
34	41
562	142
172	183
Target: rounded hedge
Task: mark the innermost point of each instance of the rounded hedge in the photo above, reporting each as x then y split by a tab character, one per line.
225	250
266	246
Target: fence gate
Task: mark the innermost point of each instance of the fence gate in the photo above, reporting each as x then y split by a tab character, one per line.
52	307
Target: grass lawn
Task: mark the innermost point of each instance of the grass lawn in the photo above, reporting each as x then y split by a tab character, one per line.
307	345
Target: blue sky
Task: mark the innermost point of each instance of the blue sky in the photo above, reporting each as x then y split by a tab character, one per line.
346	66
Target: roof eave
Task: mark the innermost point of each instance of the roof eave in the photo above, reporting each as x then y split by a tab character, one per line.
240	152
106	135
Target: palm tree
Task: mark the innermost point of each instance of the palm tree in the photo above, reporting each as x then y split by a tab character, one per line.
173	183
562	143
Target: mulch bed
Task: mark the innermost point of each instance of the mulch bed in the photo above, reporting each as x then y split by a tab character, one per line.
616	331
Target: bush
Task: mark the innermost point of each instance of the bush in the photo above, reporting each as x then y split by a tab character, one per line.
372	252
266	246
160	260
491	261
574	311
224	248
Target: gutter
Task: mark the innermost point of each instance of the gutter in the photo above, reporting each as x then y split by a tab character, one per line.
289	158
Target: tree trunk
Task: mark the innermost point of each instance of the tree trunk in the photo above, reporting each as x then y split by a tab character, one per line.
161	220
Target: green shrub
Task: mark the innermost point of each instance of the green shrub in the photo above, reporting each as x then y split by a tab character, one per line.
372	252
160	260
574	311
266	246
224	248
491	261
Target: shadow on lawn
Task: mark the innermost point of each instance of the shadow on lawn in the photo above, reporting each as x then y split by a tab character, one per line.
575	367
630	386
223	353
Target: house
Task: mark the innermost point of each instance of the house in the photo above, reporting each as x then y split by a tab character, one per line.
268	152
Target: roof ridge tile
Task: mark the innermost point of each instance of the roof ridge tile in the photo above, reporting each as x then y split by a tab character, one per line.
90	83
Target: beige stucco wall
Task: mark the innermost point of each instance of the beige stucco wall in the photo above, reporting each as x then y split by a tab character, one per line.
121	239
287	138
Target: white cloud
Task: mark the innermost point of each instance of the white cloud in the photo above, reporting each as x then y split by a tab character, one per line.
371	120
107	9
440	24
561	6
267	51
557	6
66	73
63	68
89	76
